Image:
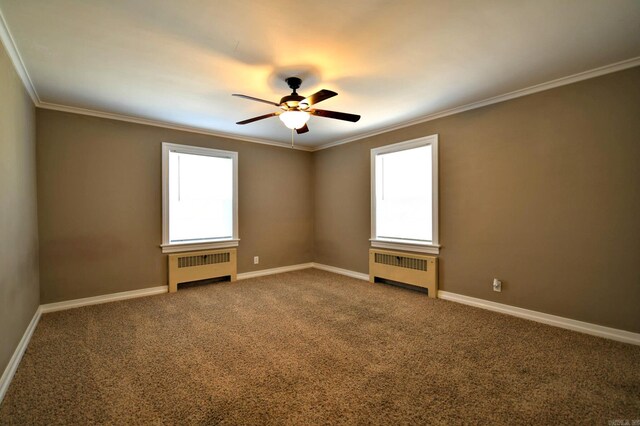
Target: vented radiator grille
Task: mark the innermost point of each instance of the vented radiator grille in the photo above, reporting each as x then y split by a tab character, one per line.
207	259
401	261
202	265
414	269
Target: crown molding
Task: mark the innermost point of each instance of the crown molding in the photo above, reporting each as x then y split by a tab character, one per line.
164	124
563	81
12	50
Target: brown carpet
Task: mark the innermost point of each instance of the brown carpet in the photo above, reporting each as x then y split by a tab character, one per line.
311	347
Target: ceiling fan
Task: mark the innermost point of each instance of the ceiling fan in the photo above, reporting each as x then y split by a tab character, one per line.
296	109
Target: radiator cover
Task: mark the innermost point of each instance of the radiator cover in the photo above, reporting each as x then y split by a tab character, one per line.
200	265
407	268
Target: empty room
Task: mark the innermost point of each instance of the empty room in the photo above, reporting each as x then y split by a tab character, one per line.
332	212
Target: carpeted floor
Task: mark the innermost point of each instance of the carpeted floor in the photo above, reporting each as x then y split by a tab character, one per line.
312	347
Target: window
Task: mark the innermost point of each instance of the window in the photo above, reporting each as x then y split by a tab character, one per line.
404	195
199	198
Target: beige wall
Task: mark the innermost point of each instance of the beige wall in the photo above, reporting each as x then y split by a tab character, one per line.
542	192
19	292
99	189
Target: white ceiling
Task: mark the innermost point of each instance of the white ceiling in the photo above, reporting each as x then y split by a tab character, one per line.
392	62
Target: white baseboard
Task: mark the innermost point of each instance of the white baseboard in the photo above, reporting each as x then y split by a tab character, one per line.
263	272
76	303
11	368
569	324
272	271
348	273
554	320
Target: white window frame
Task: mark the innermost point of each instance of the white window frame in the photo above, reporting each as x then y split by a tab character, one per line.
415	246
167	246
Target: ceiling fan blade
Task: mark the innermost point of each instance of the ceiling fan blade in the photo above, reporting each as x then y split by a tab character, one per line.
251	98
262	117
333	114
303	129
317	97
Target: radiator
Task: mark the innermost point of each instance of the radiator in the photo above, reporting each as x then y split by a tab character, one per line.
200	265
417	270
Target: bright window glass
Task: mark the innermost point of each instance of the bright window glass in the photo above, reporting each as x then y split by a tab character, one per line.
404	196
403	191
200	197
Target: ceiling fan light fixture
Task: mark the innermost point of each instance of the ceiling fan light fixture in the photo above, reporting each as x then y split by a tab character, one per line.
296	109
294	119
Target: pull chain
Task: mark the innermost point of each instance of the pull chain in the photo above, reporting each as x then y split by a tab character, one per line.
291	138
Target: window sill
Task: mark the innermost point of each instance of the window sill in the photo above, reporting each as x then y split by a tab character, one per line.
177	248
400	245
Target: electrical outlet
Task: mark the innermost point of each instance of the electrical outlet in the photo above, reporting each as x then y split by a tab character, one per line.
256	260
497	285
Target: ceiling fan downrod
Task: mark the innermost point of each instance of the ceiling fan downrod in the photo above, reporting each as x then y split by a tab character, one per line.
294	84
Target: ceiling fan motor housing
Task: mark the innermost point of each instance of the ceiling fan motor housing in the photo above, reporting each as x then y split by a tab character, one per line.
292	101
294	83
